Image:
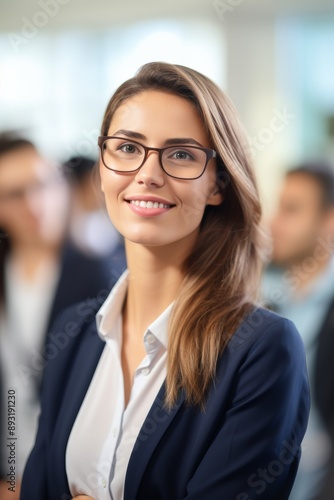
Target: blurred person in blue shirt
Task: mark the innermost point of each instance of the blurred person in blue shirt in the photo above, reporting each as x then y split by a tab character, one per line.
299	284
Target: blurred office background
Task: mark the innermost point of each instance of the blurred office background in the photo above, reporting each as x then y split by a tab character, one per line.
60	61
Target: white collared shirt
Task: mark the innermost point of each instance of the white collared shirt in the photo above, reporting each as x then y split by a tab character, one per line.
23	324
104	432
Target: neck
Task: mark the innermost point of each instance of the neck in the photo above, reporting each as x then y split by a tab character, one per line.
155	275
28	257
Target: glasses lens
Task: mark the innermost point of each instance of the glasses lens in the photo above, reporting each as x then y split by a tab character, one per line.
122	154
184	162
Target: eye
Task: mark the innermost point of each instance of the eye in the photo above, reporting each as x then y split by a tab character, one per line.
181	155
129	148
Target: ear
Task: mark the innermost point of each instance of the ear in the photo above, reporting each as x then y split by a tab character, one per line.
215	198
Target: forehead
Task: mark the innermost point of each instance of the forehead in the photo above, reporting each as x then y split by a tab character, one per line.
300	186
301	182
159	116
19	167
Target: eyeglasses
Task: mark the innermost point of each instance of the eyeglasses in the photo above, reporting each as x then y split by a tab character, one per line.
181	162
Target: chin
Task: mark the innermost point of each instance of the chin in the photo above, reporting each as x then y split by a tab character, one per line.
280	260
148	242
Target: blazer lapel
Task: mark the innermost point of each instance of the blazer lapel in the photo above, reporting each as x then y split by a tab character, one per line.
88	352
153	428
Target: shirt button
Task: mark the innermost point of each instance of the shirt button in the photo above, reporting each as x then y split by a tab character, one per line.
114	431
104	482
145	371
150	339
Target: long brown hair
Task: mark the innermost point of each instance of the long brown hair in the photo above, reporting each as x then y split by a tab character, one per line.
223	272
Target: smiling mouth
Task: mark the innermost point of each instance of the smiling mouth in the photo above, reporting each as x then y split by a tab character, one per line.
149	204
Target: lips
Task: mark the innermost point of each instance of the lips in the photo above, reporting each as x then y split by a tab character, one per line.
148	206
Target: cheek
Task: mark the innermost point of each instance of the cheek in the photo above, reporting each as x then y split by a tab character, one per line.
298	236
108	187
9	215
191	193
111	183
112	186
3	217
194	201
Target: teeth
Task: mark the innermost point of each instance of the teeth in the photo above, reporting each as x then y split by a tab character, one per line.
148	204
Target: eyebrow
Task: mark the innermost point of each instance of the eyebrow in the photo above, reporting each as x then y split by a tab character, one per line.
177	140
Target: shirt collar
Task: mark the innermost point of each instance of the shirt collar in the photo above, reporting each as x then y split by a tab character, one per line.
111	310
112	307
159	327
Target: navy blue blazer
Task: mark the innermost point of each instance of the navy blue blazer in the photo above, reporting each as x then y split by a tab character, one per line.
245	445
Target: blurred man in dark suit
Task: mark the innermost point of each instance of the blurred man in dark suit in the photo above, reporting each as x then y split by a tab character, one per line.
300	285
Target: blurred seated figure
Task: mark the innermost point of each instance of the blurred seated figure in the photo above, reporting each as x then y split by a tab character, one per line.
90	227
40	274
300	285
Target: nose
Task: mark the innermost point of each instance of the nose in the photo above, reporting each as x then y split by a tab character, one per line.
151	173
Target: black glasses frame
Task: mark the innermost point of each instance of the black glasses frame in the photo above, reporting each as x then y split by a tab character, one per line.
210	153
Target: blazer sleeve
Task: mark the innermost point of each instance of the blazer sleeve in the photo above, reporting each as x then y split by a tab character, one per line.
34	482
256	451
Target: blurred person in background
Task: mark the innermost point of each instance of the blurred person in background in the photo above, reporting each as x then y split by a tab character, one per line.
41	273
89	226
300	286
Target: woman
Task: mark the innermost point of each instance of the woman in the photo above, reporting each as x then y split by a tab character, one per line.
188	390
41	273
33	206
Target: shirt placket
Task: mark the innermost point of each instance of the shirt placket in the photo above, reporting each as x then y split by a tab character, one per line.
108	455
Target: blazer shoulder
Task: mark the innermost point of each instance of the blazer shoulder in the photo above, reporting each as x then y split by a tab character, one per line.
262	326
76	317
72	327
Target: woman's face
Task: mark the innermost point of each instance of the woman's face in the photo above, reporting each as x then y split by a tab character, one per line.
154	119
33	201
